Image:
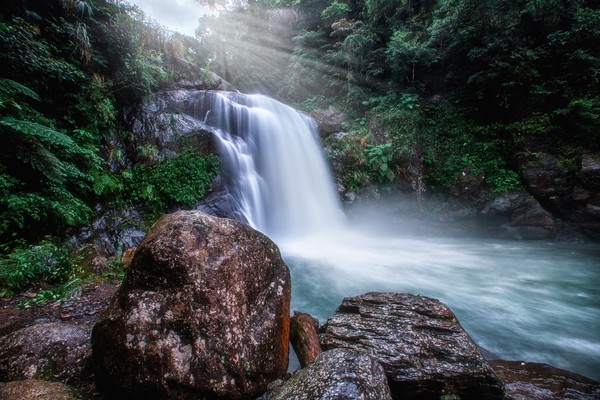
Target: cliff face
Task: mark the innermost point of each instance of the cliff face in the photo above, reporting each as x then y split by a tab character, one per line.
570	193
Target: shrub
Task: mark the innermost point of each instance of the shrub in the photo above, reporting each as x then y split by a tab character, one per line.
45	262
181	180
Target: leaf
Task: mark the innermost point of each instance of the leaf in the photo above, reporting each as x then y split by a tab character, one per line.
10	88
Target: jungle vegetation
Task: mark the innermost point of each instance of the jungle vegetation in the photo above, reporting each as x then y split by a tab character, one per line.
431	88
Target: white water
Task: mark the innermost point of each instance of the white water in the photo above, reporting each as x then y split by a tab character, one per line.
533	301
274	166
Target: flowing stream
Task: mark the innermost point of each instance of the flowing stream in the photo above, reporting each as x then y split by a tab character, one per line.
531	301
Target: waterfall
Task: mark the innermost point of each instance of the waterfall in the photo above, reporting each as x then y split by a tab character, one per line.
272	164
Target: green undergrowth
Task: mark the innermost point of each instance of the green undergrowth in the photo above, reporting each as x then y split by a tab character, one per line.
178	181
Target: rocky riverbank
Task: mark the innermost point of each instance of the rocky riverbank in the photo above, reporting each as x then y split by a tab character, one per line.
204	313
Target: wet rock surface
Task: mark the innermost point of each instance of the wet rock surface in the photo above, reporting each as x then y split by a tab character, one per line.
337	374
329	121
572	192
82	308
165	125
32	389
535	381
49	351
519	216
111	233
219	202
190	76
418	341
304	338
203	313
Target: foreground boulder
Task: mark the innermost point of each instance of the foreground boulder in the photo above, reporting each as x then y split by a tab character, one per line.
32	389
304	338
203	313
338	374
51	351
535	381
425	352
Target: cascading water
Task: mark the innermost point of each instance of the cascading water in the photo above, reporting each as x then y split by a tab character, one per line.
273	165
519	300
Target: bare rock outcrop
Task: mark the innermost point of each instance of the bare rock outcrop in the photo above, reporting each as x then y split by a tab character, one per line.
203	313
519	216
54	351
419	342
32	389
338	374
571	192
536	381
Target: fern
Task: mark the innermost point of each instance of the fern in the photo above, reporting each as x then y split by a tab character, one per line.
10	89
44	173
34	132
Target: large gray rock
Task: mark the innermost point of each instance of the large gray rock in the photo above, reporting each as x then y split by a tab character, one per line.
570	192
535	381
219	202
203	313
338	374
32	389
50	351
424	351
110	233
164	125
590	171
191	77
519	216
329	121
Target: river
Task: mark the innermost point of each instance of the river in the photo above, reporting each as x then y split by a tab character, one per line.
530	301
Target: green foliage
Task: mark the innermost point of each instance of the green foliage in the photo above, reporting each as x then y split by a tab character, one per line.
250	45
60	292
143	72
69	67
23	49
11	90
45	262
379	158
43	177
98	111
517	74
116	271
181	180
335	11
405	51
503	180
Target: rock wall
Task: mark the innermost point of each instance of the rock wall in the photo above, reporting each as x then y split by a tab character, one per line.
164	125
571	192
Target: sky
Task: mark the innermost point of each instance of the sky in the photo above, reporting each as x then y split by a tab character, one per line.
178	15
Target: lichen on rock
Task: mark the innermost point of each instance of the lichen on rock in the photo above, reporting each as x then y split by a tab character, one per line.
203	312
